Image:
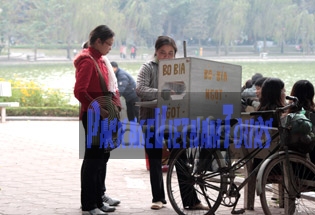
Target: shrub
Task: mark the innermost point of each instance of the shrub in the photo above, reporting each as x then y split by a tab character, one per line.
44	111
34	100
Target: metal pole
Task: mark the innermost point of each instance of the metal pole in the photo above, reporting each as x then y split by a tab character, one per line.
184	46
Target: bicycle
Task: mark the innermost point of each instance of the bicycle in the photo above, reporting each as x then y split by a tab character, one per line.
214	177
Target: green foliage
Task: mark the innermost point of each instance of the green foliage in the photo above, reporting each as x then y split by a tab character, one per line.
30	94
29	84
55	98
64	23
67	111
36	101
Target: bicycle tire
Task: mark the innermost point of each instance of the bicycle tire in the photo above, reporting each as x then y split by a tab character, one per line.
275	198
193	174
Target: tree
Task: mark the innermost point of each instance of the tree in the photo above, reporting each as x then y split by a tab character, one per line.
264	15
230	22
35	28
139	22
139	19
298	19
200	20
88	17
12	20
305	22
282	23
62	25
118	21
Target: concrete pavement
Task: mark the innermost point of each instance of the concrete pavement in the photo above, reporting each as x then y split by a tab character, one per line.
40	173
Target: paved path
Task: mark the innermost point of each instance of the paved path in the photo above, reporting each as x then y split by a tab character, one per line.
40	170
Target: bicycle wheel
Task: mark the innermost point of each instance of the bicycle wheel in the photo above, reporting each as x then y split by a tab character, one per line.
194	177
291	195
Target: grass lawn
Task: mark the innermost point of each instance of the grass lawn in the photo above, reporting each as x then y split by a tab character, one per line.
62	75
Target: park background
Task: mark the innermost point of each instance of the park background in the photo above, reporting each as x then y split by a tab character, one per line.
39	39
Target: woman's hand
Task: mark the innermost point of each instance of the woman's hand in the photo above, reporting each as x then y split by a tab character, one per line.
104	113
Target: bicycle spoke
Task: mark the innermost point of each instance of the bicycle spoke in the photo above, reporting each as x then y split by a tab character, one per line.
292	195
189	181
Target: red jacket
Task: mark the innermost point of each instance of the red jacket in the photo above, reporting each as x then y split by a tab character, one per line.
87	86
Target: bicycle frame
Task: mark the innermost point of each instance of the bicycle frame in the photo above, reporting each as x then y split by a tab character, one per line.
248	158
266	162
259	169
213	177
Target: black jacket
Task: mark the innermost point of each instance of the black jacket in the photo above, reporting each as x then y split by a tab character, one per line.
126	85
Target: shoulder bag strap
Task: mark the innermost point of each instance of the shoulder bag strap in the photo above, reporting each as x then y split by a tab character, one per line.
102	82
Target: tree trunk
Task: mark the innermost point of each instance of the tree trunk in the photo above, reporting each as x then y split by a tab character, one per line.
169	28
9	44
282	47
219	48
68	53
35	53
226	49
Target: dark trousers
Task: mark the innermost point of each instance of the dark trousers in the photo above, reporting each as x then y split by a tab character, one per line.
188	194
156	174
93	173
132	110
312	156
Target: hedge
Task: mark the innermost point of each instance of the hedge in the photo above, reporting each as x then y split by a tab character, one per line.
43	111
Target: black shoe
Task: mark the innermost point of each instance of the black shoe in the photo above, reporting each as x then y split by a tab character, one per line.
107	208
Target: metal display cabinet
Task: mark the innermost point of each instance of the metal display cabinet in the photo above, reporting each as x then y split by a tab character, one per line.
198	88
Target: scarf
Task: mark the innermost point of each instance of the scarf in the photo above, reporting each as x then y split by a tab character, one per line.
112	81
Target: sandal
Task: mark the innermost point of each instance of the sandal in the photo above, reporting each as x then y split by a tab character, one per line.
157	205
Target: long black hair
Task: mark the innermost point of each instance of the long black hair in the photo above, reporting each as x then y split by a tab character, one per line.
304	91
103	32
271	94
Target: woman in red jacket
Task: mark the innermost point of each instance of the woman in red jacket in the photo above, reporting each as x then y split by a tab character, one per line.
87	88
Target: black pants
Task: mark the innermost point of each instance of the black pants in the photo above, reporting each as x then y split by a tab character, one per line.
132	110
312	156
188	194
156	174
93	173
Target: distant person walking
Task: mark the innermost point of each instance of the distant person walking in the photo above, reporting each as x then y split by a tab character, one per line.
127	89
123	51
133	51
